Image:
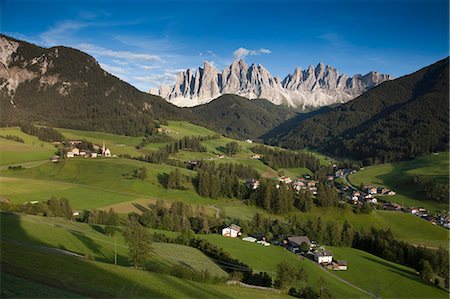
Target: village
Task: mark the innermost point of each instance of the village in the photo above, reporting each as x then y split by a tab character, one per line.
299	245
367	194
78	148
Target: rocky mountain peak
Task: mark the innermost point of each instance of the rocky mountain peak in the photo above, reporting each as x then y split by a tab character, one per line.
316	86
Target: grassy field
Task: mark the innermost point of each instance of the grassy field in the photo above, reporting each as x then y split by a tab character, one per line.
33	149
16	287
84	239
180	129
106	175
404	226
400	177
96	279
386	279
266	259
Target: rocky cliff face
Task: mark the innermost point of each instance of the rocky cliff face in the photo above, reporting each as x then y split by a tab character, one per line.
314	87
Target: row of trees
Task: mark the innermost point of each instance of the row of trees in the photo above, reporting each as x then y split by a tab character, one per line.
186	143
437	191
222	180
153	133
275	197
280	158
13	138
426	261
43	133
178	217
54	207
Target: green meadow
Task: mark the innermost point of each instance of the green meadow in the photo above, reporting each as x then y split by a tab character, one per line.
97	279
386	279
33	149
400	178
84	239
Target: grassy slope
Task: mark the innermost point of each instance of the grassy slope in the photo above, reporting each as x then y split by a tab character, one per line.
387	279
16	287
12	152
98	279
399	177
104	174
266	259
395	281
84	239
404	226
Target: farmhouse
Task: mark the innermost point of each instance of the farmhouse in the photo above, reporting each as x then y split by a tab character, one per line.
231	231
323	257
249	140
256	156
252	184
293	243
75	151
341	265
55	159
94	155
70	155
285	179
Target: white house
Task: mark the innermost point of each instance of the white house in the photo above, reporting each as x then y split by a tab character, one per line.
75	151
94	155
323	257
249	140
232	231
285	179
341	265
70	155
256	156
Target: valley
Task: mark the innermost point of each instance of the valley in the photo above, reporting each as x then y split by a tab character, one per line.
227	184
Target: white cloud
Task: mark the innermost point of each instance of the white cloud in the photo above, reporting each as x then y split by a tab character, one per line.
166	78
114	69
243	52
120	62
126	55
61	31
149	67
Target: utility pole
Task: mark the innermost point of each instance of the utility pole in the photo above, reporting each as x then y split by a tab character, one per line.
115	250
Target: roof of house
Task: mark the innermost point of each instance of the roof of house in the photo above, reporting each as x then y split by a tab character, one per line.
235	227
297	240
323	253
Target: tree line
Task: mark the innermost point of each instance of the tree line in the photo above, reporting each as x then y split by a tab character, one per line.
281	158
222	180
192	143
13	138
46	134
426	261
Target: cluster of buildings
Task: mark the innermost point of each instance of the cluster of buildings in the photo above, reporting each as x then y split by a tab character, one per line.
296	244
438	219
72	151
315	252
305	183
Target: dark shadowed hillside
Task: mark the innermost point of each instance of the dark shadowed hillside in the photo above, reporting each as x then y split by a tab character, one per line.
241	118
67	88
397	120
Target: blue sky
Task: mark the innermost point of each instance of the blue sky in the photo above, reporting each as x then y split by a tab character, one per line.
147	42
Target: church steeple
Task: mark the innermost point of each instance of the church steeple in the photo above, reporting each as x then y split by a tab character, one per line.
103	148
